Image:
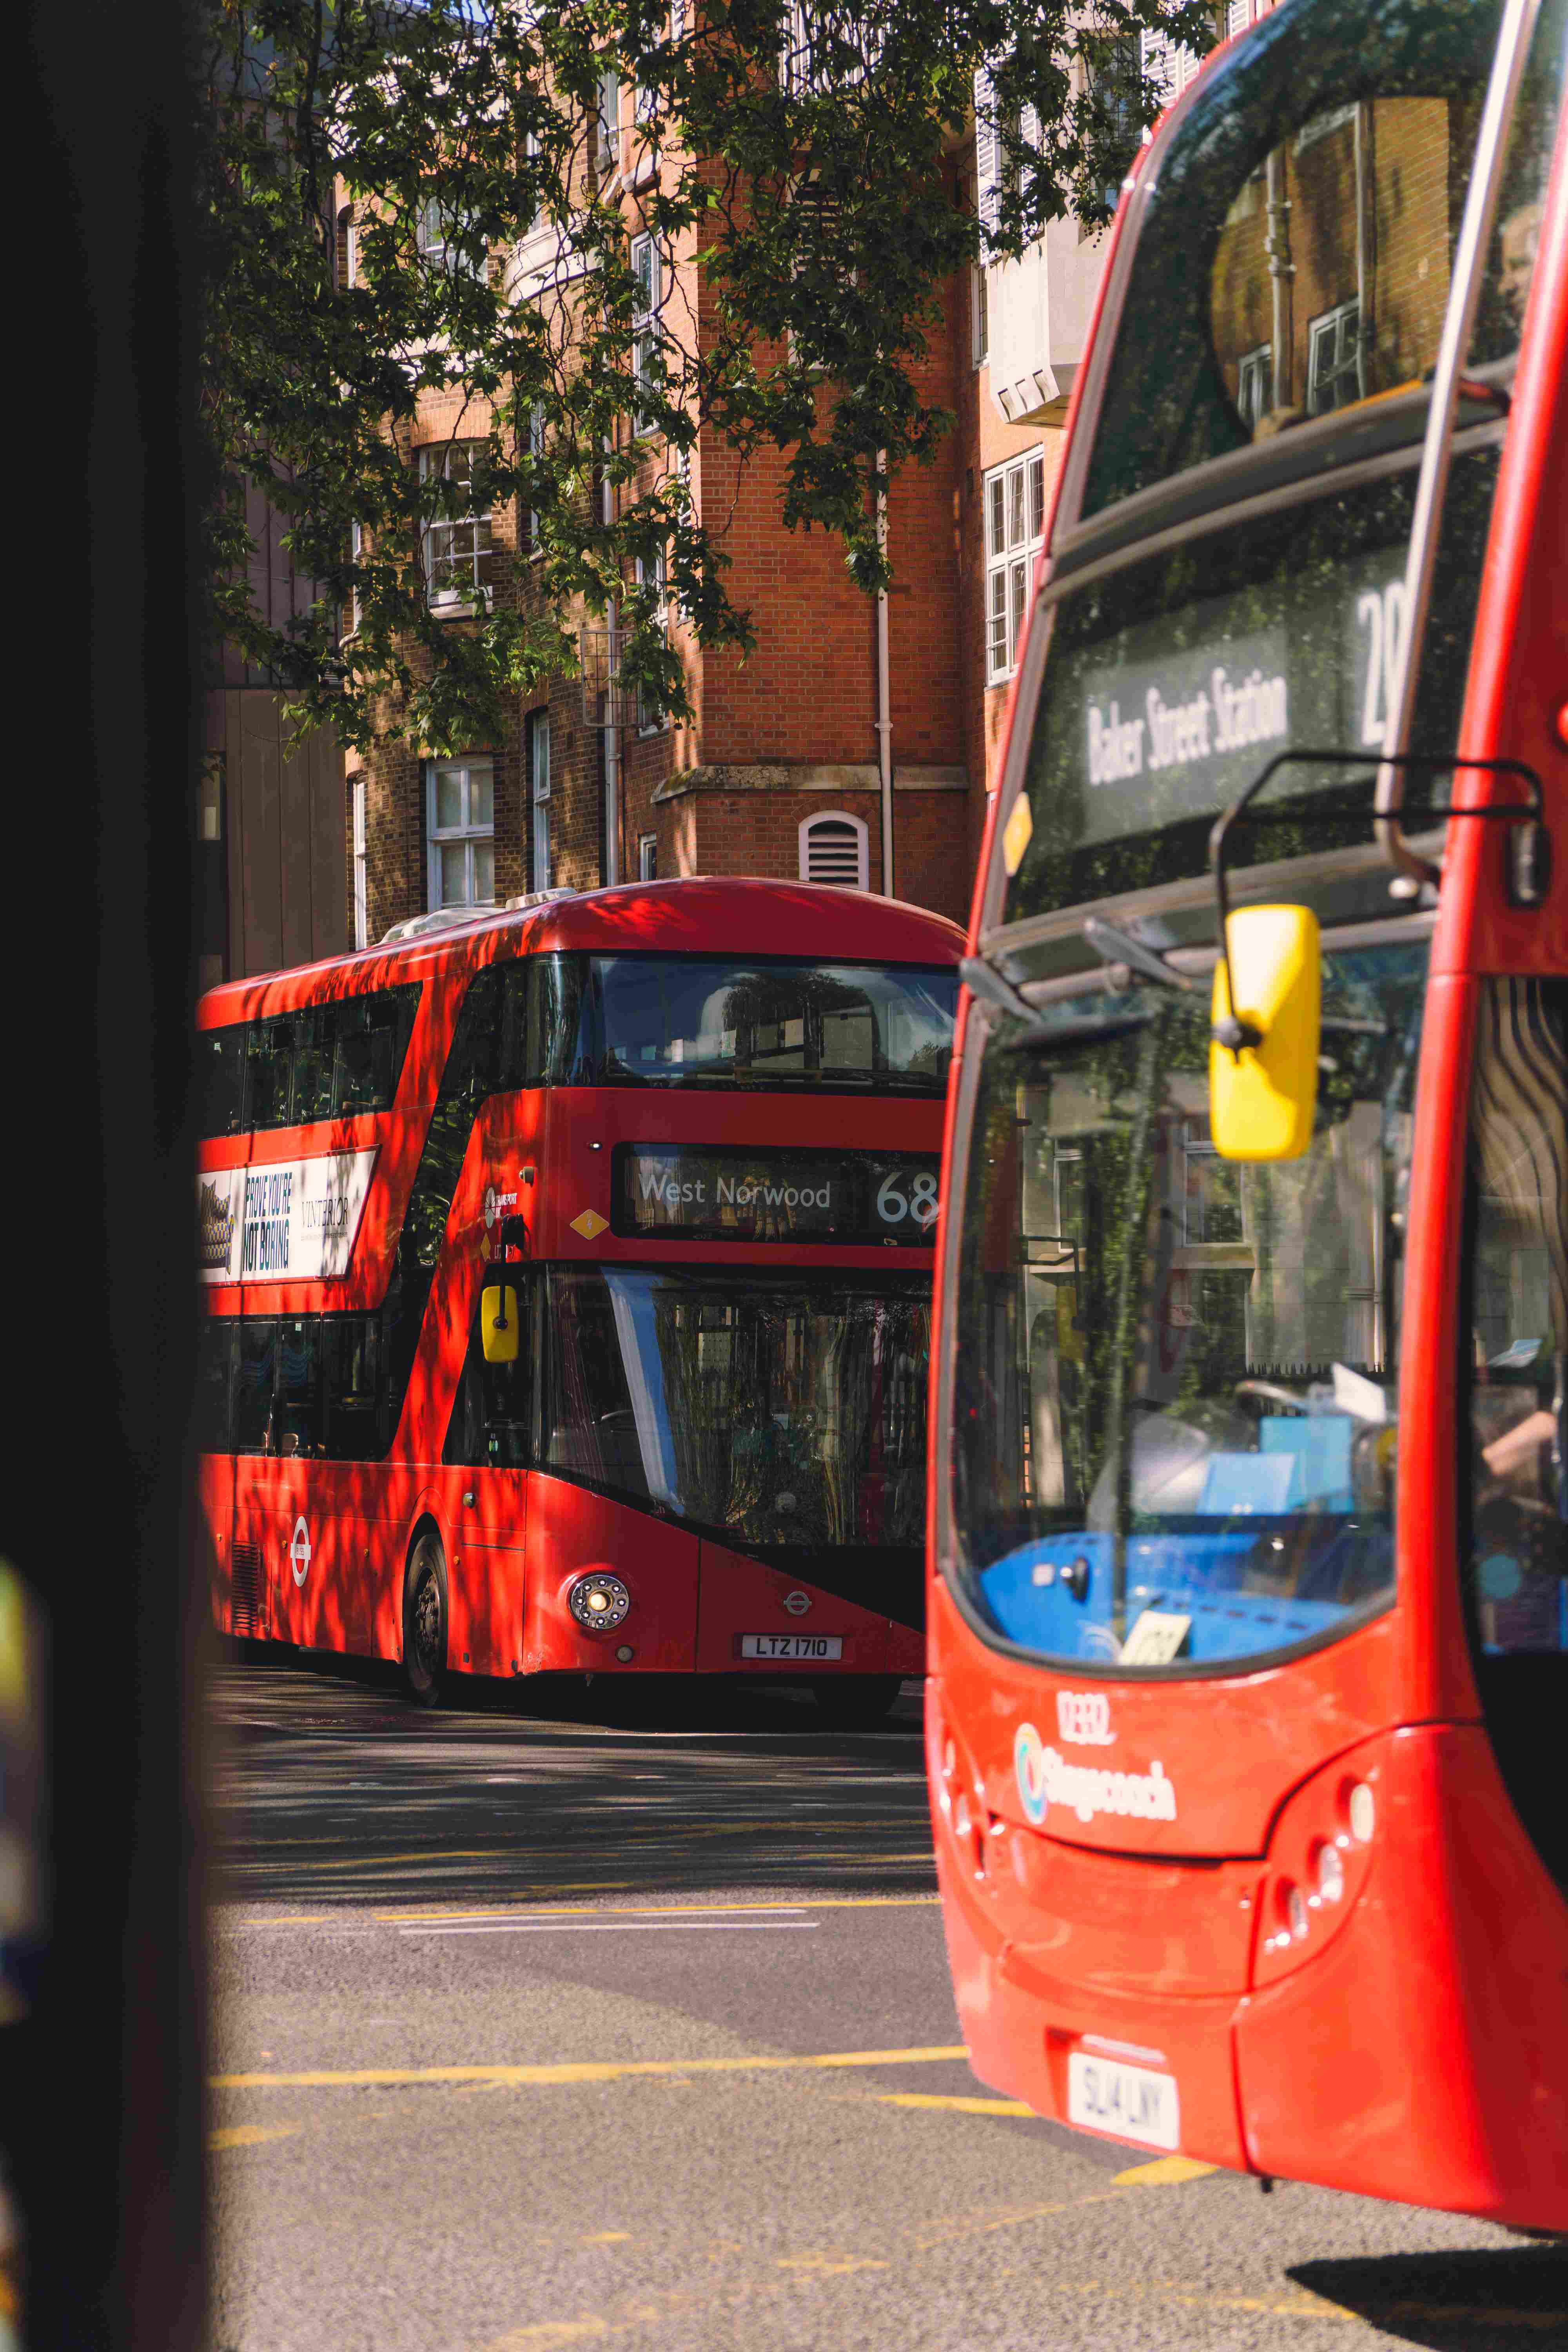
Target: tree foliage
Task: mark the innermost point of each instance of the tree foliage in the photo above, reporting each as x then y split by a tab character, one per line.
803	210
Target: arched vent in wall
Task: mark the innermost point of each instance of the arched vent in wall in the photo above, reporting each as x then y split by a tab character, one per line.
832	848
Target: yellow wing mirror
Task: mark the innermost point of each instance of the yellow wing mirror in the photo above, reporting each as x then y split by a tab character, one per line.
499	1320
1263	1058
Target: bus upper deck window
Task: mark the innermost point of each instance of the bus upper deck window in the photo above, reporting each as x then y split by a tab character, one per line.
1294	252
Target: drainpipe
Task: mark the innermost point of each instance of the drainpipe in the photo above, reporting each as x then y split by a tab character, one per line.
884	720
612	759
612	736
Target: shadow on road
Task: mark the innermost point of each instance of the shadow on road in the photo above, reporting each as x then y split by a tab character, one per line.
325	1786
1496	2301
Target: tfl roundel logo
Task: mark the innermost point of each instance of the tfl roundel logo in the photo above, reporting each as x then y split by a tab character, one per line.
1029	1765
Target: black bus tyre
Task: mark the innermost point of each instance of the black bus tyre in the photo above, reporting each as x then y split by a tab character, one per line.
852	1701
425	1619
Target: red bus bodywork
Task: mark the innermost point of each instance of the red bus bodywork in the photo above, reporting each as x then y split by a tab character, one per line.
1412	2042
514	1539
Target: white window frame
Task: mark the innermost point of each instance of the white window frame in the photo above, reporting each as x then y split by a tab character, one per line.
809	825
350	251
646	305
648	857
1169	64
1328	328
436	240
646	725
440	541
1321	126
608	125
1255	384
356	557
361	858
979	316
468	834
538	794
528	517
1013	512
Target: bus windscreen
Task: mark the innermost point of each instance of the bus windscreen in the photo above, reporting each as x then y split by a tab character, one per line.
721	1022
1174	1414
774	1410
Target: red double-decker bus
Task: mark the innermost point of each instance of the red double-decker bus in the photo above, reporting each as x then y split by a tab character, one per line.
1248	1660
567	1281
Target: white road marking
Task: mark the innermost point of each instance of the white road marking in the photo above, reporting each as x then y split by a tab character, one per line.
612	1928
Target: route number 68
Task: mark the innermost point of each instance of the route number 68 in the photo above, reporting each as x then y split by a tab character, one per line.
893	1206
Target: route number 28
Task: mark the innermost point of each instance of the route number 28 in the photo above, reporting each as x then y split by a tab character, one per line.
893	1206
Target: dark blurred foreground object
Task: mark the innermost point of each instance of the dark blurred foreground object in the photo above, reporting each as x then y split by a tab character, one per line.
100	2099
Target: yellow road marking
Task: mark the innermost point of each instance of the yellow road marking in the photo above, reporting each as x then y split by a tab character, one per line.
588	2071
831	2265
1163	2169
958	2106
614	1910
606	2238
558	2331
295	1850
249	2134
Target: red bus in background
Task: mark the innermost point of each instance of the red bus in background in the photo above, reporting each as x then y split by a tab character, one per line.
1248	1621
567	1281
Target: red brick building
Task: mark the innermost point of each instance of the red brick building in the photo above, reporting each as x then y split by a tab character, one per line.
793	759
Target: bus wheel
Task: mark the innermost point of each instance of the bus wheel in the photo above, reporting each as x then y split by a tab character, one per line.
852	1700
424	1620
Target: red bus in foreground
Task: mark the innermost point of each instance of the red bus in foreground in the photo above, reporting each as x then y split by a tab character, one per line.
1248	1625
567	1279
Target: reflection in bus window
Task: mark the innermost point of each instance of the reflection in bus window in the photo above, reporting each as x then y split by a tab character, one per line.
698	1021
1518	1161
351	1354
253	1387
781	1411
1295	254
1176	1400
489	1427
296	1410
215	1381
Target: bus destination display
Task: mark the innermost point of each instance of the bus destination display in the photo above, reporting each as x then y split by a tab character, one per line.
855	1198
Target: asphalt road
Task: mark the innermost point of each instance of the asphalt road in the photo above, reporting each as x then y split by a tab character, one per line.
537	2024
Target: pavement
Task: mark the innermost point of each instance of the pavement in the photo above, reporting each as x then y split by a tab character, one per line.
554	2018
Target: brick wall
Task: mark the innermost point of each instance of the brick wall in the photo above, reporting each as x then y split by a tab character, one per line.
782	735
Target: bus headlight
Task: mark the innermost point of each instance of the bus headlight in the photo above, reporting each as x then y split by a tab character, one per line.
599	1602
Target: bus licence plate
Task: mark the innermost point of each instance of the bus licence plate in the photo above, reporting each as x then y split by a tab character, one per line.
792	1645
1130	2101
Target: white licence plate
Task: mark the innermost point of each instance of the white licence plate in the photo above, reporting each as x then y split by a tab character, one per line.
792	1645
1106	2096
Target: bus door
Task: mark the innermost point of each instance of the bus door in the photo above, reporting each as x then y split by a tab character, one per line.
480	1491
609	1490
1515	1566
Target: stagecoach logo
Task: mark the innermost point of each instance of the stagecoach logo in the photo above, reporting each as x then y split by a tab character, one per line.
300	1551
798	1603
215	1220
1046	1779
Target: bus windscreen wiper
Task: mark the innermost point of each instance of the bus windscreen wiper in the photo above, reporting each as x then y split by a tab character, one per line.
982	980
1114	946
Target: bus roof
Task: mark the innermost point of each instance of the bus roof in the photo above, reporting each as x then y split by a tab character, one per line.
740	915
